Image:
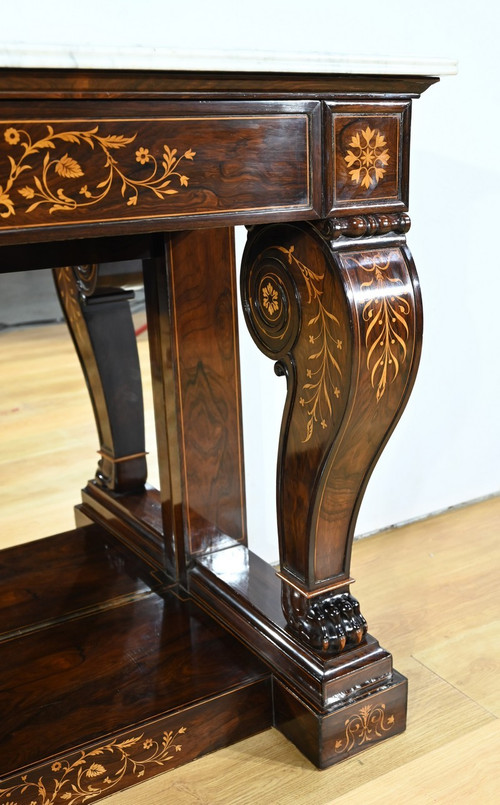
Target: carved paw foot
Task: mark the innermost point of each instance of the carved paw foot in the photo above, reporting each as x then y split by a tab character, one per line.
328	623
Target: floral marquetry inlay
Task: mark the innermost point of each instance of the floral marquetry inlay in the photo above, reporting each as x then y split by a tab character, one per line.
42	171
370	159
367	157
96	773
368	725
323	375
386	313
270	299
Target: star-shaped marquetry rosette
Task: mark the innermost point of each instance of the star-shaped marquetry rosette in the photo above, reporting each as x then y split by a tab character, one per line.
367	158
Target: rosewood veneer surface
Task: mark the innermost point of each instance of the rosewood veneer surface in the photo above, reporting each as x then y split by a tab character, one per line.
91	645
150	634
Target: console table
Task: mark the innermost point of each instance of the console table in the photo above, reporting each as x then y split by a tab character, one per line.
151	634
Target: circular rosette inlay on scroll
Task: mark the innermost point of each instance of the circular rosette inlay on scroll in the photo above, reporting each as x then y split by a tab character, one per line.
269	300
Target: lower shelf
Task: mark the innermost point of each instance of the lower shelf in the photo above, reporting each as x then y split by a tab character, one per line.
108	676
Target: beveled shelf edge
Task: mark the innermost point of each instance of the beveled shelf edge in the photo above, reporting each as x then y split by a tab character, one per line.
70	56
156	745
177	728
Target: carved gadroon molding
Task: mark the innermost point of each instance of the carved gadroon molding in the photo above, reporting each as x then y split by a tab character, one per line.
358	226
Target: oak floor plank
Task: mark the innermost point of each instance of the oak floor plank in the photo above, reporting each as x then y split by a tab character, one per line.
471	662
465	771
48	436
270	767
439	577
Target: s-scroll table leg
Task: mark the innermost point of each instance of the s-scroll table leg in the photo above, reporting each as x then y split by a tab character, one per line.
101	326
342	319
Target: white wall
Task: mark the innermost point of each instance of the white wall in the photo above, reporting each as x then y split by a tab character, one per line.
445	449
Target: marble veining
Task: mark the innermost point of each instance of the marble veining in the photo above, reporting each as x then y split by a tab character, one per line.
147	58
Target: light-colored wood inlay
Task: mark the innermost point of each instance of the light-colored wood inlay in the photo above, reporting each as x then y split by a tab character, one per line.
429	592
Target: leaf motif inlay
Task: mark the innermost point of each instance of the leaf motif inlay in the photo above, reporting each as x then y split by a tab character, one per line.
385	314
160	180
369	724
367	158
324	374
85	778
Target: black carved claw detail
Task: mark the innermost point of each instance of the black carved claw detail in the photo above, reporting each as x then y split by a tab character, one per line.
328	623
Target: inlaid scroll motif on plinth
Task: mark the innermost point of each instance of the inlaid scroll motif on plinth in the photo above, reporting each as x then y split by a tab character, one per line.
367	726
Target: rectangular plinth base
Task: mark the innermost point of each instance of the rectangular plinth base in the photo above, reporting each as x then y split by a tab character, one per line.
108	676
327	738
330	707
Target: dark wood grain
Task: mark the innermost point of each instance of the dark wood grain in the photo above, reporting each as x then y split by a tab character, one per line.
155	166
328	738
367	153
64	577
195	368
154	747
135	519
244	593
344	324
165	167
130	656
153	85
103	333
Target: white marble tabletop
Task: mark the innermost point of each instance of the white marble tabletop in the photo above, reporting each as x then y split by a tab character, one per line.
146	58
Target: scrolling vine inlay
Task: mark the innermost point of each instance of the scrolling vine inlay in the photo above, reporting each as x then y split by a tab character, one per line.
324	374
96	773
41	187
385	313
369	724
369	158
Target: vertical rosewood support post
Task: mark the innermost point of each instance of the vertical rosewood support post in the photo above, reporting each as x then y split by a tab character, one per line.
342	318
192	322
102	330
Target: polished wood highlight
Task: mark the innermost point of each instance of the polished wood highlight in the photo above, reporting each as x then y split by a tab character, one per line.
192	323
368	147
100	661
101	326
447	603
179	160
451	653
344	325
165	167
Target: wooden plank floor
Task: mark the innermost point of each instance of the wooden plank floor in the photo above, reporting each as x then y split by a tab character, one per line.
438	613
